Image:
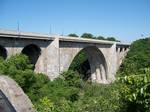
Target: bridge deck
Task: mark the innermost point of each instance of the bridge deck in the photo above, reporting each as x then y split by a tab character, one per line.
39	36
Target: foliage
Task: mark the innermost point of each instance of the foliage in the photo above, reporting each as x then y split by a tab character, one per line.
68	93
100	38
90	36
73	35
112	39
134	75
137	58
2	61
72	78
87	35
45	105
18	68
136	92
77	63
99	98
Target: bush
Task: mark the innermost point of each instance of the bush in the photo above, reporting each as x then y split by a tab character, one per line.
136	92
45	105
134	76
100	98
72	78
18	68
137	58
68	93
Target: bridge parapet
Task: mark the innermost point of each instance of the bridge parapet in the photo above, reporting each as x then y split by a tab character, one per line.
28	35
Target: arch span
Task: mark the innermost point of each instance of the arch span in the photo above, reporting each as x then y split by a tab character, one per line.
97	62
3	52
81	64
33	52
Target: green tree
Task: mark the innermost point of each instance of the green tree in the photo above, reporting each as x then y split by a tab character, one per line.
100	38
111	38
135	91
87	35
45	105
67	93
73	35
137	58
134	75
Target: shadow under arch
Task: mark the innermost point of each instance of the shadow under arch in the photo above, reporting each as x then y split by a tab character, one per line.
95	63
33	52
3	52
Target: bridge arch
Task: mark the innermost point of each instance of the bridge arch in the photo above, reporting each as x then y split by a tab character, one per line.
97	63
3	52
33	52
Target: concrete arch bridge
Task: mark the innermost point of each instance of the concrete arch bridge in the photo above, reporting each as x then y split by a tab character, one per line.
52	54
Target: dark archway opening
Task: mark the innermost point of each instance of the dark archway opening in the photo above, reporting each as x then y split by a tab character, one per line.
3	52
33	52
81	64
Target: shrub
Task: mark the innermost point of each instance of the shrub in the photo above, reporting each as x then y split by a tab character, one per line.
134	76
68	93
72	78
45	105
101	98
136	92
137	58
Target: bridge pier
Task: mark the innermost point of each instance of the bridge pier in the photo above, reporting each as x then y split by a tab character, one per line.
52	59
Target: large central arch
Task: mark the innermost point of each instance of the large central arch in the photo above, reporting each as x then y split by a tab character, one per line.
97	62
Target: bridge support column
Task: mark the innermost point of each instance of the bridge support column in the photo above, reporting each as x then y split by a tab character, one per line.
52	57
112	64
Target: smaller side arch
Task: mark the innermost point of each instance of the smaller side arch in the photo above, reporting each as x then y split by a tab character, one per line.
33	52
3	52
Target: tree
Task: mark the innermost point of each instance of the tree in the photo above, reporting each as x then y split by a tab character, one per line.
100	38
135	91
87	35
73	35
135	77
137	57
67	93
111	38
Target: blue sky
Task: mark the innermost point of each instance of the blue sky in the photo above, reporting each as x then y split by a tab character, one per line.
124	19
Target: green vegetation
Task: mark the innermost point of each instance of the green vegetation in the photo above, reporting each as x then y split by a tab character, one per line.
135	92
70	93
90	36
138	58
73	35
135	77
87	35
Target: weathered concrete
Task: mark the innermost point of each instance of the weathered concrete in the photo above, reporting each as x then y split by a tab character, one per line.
56	53
15	95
